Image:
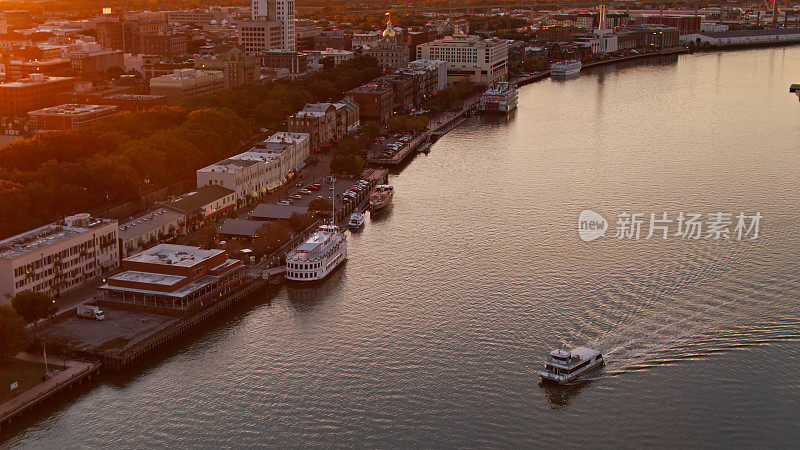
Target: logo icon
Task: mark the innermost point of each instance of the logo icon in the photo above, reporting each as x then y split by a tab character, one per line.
591	225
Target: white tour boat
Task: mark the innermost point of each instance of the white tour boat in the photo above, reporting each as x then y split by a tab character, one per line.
356	221
320	254
565	68
563	366
498	99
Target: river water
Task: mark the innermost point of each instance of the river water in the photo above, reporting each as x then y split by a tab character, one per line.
433	332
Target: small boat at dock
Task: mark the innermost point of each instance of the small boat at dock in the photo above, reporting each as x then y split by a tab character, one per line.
381	198
356	221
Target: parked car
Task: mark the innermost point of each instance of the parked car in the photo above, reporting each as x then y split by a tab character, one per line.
289	199
284	202
296	196
305	191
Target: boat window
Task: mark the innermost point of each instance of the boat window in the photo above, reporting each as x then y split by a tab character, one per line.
580	366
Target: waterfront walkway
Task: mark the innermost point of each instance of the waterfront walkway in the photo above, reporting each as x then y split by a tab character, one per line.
74	372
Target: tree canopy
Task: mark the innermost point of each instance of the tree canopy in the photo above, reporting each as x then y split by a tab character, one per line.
12	333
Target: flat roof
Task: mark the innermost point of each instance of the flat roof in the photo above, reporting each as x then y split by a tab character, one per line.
44	236
173	255
241	227
206	195
746	33
179	293
148	277
147	222
72	109
272	212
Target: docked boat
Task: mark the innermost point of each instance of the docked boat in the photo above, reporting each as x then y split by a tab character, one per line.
356	221
498	99
563	366
318	256
381	198
565	68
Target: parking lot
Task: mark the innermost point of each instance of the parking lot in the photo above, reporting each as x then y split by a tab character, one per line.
120	329
302	195
386	147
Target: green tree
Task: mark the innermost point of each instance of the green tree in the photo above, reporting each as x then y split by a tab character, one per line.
34	306
12	333
371	131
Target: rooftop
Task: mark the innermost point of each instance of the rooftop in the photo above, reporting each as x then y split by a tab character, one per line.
271	212
174	255
47	235
147	222
34	80
746	33
72	109
200	198
246	228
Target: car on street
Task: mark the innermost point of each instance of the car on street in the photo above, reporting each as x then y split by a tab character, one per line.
283	202
296	196
305	191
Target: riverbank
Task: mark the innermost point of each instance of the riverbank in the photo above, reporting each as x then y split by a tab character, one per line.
70	373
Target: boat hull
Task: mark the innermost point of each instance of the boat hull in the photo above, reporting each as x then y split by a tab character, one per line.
549	378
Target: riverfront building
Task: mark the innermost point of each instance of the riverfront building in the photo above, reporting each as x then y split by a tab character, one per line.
174	277
325	122
58	257
469	58
148	229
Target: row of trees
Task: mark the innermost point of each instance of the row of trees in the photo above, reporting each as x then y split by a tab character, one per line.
450	97
59	173
26	307
408	123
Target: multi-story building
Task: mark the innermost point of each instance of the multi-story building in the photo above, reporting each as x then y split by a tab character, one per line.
305	36
237	67
684	24
257	36
90	60
207	201
469	58
69	116
58	257
296	62
174	277
292	149
195	16
281	11
368	39
126	35
336	39
245	174
325	122
390	51
167	45
374	102
336	55
147	230
35	92
185	84
16	69
558	33
433	73
134	102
